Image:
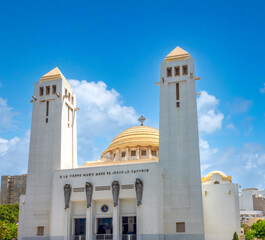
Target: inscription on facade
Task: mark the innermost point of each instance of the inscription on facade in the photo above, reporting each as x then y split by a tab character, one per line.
109	173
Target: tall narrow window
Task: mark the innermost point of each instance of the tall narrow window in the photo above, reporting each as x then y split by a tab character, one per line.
41	91
177	91
47	108
65	92
185	69
72	101
169	72
177	72
47	90
53	89
68	114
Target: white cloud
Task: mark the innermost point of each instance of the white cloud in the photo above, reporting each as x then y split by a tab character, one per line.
5	145
262	90
206	152
14	155
209	118
6	115
100	107
102	113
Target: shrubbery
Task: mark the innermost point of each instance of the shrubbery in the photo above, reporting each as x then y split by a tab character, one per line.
257	230
8	221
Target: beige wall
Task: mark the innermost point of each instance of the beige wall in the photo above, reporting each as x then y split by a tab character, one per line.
259	203
11	188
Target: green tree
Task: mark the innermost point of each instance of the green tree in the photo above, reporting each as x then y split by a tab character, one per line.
8	221
250	235
259	228
235	236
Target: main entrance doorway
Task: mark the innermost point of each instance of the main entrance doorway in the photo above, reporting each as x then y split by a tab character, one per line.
80	229
129	228
104	229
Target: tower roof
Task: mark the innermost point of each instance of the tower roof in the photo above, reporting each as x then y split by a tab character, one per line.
176	55
53	75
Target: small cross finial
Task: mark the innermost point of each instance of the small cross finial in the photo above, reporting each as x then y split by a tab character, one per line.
141	120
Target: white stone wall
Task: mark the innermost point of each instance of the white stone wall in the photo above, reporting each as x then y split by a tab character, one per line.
51	148
246	199
149	214
179	153
221	211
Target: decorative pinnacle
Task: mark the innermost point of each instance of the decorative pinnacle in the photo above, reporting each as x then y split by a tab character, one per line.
141	120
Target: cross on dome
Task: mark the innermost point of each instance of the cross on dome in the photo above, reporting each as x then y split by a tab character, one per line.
141	120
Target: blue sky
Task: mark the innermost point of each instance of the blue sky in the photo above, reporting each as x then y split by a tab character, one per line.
113	50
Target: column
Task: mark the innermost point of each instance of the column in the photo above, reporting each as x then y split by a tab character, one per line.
127	154
117	157
149	153
116	222
67	223
89	222
138	223
138	153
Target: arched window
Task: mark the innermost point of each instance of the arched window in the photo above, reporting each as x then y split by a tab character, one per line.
216	182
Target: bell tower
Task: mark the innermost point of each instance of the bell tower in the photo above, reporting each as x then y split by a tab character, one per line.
179	148
52	147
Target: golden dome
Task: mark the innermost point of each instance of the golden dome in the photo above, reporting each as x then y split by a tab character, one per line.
210	174
135	136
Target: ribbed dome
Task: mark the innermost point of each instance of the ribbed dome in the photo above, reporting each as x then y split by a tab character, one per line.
210	174
133	137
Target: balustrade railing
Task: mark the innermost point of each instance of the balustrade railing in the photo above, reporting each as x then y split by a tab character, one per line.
129	237
79	237
103	236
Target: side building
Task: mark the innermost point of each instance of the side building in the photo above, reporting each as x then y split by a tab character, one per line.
220	206
12	187
252	205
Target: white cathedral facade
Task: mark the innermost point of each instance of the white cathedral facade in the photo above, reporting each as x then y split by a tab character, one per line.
147	184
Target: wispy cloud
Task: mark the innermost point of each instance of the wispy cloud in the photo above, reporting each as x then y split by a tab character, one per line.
262	90
6	115
209	117
239	106
246	164
230	126
14	155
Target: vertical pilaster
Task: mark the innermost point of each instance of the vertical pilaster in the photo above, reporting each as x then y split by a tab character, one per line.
117	157
149	153
127	154
138	223
67	223
116	222
89	222
138	153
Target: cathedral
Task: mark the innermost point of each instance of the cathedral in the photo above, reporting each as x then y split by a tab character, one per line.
147	184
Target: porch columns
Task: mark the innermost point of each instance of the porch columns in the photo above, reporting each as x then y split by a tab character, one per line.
116	222
138	222
89	222
67	223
